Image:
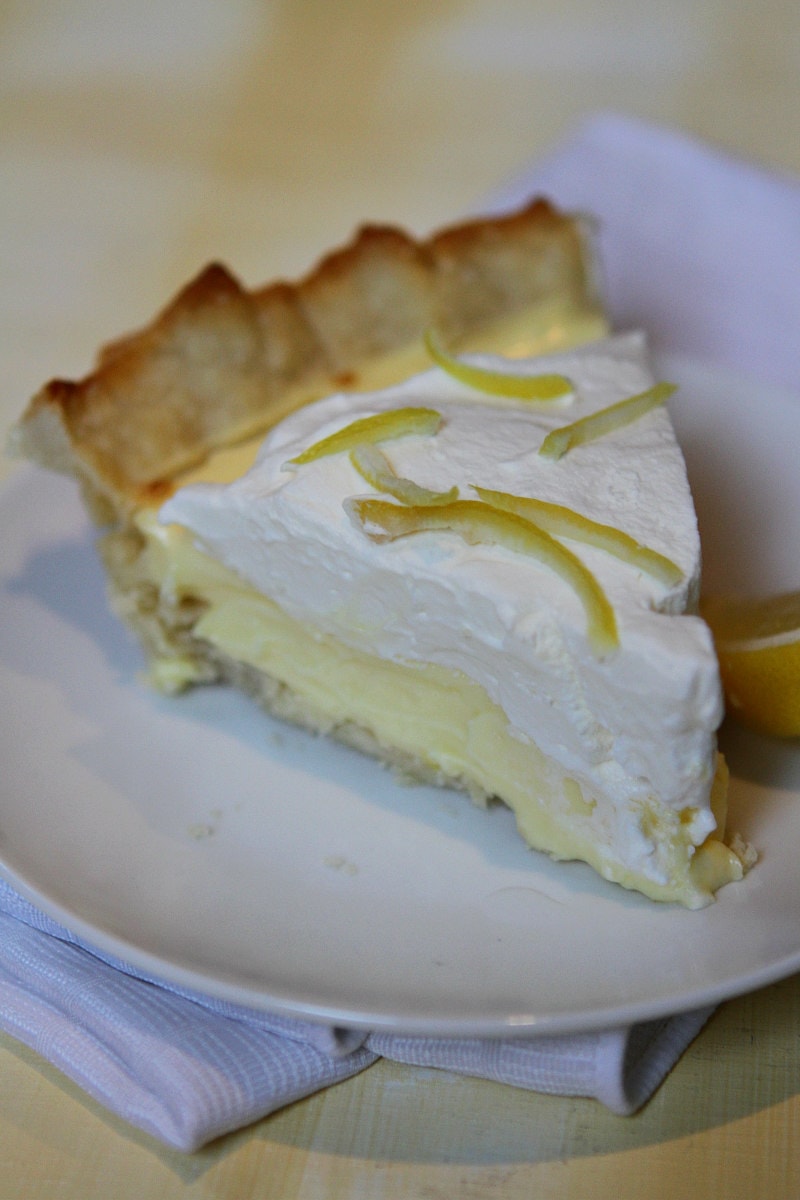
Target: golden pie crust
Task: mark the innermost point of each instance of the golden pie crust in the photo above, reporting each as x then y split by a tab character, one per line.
221	364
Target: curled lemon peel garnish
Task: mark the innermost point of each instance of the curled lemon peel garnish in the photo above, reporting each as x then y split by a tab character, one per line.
566	522
479	523
605	421
382	427
512	385
375	468
758	646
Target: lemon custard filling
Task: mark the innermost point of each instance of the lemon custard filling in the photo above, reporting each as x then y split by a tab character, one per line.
431	722
427	648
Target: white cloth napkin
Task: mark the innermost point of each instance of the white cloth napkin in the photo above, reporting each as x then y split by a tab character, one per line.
698	248
702	251
187	1068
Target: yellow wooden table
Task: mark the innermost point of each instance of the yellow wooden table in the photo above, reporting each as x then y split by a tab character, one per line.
137	142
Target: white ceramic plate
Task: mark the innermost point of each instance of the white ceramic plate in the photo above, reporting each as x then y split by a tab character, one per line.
199	840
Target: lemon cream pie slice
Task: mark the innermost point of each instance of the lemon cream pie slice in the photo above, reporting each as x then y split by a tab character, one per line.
414	570
411	565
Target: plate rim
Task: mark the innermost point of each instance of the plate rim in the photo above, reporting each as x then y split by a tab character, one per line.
122	951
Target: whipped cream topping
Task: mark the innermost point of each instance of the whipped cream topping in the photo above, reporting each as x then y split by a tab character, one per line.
636	725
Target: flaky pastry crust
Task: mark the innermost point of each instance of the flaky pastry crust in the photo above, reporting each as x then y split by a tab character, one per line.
221	363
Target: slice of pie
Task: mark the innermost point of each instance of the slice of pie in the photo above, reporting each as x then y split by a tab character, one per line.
483	573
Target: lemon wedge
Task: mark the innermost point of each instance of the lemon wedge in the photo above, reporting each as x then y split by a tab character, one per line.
382	427
513	385
758	645
375	468
479	523
605	421
566	522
